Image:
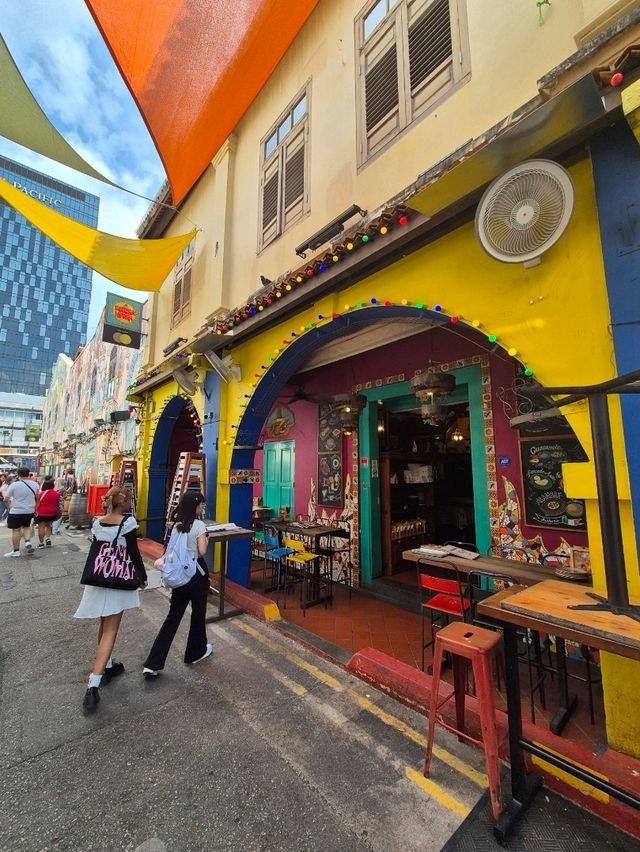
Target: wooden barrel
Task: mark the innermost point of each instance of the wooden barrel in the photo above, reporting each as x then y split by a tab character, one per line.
79	518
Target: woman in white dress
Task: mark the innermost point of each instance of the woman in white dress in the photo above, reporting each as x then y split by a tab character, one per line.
109	604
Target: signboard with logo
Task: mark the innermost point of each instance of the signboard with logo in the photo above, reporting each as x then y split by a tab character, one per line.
122	321
545	502
32	433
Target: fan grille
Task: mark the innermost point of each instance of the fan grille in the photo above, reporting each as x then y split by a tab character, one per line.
525	211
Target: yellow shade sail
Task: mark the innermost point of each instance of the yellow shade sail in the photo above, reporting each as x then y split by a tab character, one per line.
136	264
22	120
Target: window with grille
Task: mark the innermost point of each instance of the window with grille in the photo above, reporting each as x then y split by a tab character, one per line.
284	182
411	54
181	306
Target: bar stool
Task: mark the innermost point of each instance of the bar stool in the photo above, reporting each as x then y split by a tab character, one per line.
468	643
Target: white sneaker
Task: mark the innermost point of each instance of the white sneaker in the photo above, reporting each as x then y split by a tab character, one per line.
149	674
205	655
13	553
28	547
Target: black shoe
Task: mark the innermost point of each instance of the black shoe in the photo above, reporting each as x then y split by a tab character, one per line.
115	670
91	699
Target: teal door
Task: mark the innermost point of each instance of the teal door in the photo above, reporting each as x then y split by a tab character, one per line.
278	476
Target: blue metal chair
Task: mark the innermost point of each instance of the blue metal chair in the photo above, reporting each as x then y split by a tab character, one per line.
274	555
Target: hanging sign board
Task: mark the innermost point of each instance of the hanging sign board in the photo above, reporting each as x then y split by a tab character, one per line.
545	502
122	321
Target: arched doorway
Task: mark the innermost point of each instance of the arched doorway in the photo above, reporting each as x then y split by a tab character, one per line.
174	434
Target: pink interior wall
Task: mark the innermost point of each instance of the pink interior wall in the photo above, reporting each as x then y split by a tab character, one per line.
405	356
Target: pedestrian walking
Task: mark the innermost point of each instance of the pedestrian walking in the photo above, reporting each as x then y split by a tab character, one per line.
187	519
118	565
4	511
20	498
49	508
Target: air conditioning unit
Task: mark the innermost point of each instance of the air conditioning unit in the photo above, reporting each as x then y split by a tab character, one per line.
525	212
117	416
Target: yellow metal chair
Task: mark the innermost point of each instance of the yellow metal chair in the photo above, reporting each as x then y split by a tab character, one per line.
301	566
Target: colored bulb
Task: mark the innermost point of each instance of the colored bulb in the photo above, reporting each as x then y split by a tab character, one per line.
374	301
287	287
358	304
278	294
454	320
419	305
299	279
403	220
404	302
365	238
476	323
335	258
346	307
309	272
252	312
349	246
320	317
384	230
261	307
437	308
528	371
322	267
387	303
492	338
513	351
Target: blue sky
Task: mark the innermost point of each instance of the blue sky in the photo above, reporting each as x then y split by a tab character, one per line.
68	68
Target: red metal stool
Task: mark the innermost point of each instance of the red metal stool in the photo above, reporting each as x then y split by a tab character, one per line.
468	643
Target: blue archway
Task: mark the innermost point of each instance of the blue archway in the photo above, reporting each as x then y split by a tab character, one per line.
261	402
159	467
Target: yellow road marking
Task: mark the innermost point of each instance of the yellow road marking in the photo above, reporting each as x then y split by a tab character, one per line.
437	793
478	778
297	688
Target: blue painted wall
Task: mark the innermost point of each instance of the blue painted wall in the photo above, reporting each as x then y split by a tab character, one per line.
616	167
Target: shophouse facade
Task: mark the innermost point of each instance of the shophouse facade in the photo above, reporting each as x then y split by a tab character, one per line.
88	423
392	118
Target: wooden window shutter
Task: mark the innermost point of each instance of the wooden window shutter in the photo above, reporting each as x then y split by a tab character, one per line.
270	200
430	52
186	288
177	299
294	178
382	104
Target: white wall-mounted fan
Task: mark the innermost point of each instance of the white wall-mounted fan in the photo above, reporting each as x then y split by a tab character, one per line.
525	211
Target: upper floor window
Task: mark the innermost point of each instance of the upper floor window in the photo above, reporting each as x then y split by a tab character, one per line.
411	53
182	286
284	171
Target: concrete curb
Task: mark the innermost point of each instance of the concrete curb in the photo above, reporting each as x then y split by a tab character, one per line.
264	609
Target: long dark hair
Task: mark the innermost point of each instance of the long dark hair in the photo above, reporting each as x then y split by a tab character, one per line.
185	514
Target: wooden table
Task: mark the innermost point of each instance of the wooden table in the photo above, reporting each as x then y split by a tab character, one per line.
222	537
314	532
547	607
525	573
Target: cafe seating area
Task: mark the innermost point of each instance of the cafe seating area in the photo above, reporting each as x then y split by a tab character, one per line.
353	620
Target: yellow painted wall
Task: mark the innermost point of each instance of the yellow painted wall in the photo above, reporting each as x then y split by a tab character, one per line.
553	317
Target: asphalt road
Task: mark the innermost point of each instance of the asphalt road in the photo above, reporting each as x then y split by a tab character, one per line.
264	746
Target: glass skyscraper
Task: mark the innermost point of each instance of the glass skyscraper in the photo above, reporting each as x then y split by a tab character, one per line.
44	292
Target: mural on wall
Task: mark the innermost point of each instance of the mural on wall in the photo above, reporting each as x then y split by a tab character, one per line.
329	457
83	393
513	544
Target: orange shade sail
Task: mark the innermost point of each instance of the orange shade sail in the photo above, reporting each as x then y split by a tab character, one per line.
195	67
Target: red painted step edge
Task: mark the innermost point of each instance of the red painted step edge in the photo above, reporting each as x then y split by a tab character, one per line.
413	688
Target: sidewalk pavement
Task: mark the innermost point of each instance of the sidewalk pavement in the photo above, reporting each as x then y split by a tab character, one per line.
263	746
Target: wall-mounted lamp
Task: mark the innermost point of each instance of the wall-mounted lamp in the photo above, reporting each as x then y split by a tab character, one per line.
332	229
173	345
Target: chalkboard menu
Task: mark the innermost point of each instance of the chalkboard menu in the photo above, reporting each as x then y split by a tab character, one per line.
329	457
545	502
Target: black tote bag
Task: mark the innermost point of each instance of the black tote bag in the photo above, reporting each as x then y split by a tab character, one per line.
109	566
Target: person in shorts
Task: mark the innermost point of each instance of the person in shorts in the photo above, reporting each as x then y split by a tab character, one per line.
21	497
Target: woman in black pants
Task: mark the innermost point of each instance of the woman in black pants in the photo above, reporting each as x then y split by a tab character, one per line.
187	518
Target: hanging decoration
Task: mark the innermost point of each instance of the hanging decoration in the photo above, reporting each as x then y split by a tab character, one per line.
195	68
136	264
22	121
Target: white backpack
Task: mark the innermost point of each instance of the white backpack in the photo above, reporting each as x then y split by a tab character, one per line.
178	565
